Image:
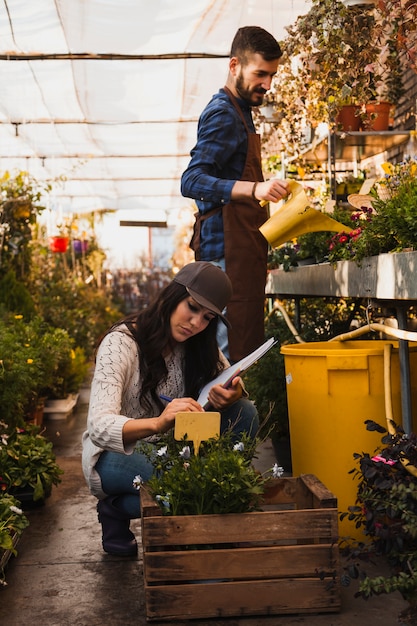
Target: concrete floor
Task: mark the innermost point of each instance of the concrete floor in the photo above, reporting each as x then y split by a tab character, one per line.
61	576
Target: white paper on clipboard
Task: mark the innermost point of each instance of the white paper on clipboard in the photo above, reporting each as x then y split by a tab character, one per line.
227	375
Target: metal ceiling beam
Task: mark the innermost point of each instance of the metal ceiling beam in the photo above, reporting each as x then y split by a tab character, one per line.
26	122
89	156
88	56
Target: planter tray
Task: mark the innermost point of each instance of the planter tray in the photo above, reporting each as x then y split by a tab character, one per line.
281	560
60	409
389	276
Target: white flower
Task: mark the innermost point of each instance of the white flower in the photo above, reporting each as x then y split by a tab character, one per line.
137	482
16	509
185	452
186	465
277	471
162	451
239	447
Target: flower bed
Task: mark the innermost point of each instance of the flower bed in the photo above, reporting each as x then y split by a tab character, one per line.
281	560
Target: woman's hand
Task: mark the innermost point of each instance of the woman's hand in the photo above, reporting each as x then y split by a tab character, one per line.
179	405
133	430
220	398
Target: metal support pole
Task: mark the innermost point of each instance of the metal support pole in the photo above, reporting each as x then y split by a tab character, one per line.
404	358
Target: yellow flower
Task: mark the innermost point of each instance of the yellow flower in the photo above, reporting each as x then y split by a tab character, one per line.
388	168
29	361
18	317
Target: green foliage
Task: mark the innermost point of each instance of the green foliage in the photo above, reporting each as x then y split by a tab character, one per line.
390	226
64	300
15	296
386	509
219	479
265	381
12	522
34	358
27	460
348	51
285	257
319	246
20	203
70	370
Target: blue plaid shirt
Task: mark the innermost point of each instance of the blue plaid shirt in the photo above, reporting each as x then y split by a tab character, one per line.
217	162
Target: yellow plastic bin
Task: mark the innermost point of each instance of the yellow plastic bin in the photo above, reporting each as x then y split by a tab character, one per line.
332	388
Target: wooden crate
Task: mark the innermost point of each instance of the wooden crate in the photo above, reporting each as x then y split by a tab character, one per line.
281	560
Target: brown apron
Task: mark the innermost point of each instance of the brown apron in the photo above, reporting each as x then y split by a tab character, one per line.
246	252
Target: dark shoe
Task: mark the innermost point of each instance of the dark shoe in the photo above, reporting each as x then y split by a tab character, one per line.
117	538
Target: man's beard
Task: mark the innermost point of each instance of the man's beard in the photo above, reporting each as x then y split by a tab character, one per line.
253	98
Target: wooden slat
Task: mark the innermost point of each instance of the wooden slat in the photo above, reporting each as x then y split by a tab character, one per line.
148	505
266	597
231	528
322	497
242	563
281	491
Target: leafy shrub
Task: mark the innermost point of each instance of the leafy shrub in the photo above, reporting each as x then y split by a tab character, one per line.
219	479
30	355
386	509
27	460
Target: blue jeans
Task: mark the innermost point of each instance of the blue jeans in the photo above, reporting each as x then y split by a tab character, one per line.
117	470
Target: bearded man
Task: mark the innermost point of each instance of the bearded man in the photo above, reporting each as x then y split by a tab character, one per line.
225	178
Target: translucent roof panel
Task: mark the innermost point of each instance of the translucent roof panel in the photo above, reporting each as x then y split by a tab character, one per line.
107	93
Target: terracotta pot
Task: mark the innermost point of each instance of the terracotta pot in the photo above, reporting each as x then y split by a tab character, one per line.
377	116
347	118
58	244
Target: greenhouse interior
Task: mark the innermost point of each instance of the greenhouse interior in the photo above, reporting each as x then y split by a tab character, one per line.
208	331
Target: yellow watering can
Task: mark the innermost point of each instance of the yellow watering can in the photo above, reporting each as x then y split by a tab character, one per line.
295	218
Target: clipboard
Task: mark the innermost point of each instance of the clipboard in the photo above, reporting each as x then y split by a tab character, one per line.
227	375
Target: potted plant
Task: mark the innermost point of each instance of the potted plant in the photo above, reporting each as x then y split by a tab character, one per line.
29	354
28	464
344	56
20	204
387	220
404	15
386	510
70	372
12	524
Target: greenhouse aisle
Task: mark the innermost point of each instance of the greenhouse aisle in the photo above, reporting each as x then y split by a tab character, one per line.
61	576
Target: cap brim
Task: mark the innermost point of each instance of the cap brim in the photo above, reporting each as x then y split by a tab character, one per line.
208	305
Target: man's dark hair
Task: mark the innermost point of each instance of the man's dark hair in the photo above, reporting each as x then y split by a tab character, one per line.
254	40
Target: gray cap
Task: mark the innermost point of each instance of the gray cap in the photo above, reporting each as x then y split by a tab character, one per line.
208	285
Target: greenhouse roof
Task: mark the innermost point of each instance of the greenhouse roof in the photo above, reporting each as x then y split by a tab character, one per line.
107	93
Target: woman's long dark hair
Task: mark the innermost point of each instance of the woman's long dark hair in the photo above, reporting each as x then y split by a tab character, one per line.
152	332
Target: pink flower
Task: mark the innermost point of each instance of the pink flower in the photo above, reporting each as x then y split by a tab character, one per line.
381	459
